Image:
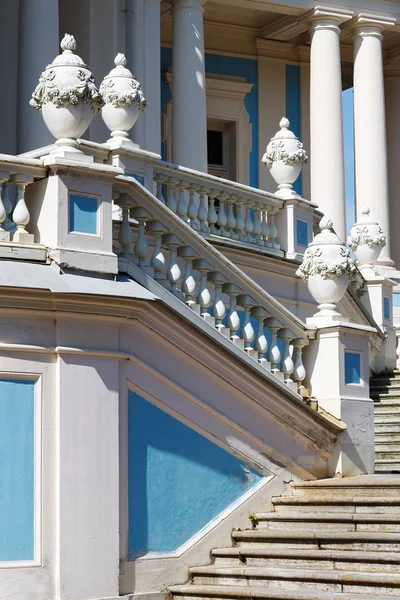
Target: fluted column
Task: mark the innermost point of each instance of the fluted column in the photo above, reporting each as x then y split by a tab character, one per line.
189	122
326	119
392	97
370	124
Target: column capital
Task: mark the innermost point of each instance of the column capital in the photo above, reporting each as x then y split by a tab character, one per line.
192	4
366	25
324	17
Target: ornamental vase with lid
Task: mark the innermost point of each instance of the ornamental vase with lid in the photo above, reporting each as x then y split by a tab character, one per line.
124	99
67	94
366	239
285	157
327	268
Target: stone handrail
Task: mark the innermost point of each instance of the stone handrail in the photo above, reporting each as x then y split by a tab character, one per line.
195	272
19	171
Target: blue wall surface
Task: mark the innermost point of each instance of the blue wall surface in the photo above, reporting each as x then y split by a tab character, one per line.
235	67
179	481
293	108
16	470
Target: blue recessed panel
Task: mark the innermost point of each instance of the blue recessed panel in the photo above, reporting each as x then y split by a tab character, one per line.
386	307
16	470
83	214
352	368
293	108
302	232
139	178
179	481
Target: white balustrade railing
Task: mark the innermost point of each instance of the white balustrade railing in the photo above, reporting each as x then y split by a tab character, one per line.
167	248
14	216
217	206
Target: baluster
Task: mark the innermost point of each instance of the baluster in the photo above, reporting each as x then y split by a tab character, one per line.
189	282
230	219
8	224
157	261
203	209
398	350
233	320
274	354
141	247
257	224
299	372
265	228
193	209
203	296
171	200
222	218
248	226
159	179
181	209
174	274
212	213
125	236
218	309
4	234
240	222
21	214
287	366
273	232
247	333
260	344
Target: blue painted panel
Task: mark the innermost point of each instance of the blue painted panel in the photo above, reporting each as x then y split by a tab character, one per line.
139	178
352	367
83	214
236	67
302	232
396	299
16	470
293	108
386	307
178	481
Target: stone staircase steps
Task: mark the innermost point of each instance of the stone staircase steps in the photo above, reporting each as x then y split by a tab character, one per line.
323	580
366	486
308	559
329	521
385	391
317	504
188	592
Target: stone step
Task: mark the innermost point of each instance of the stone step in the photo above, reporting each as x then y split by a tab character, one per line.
387	464
383	399
383	428
189	591
387	408
363	485
298	579
334	540
387	562
317	504
279	521
388	393
383	438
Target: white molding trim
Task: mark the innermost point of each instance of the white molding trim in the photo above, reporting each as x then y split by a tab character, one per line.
225	97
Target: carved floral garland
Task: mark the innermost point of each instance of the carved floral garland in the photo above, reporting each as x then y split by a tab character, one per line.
66	96
361	236
276	151
314	264
123	99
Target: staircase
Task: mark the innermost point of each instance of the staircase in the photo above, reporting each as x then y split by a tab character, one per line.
331	539
385	391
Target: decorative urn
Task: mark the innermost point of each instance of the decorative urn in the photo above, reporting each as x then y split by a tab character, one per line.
366	239
67	95
327	268
285	157
124	99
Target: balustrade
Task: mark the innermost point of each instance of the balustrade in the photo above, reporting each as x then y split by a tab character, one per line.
163	246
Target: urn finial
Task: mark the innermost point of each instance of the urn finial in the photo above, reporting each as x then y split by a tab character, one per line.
68	43
366	239
285	157
120	60
327	268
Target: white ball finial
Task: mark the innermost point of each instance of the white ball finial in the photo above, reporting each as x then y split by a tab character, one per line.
284	123
68	43
120	60
325	223
365	210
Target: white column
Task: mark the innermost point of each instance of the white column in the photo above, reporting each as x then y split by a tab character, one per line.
370	124
143	55
38	46
392	95
189	120
326	120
